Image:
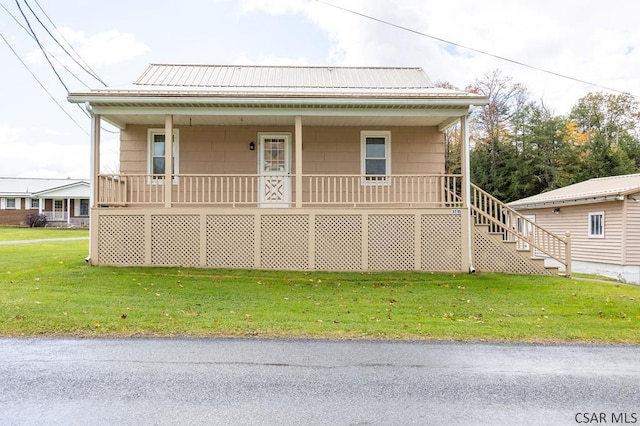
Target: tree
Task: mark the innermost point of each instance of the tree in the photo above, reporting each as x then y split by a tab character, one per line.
610	126
496	133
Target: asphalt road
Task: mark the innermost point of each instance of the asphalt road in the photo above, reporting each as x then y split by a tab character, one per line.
302	382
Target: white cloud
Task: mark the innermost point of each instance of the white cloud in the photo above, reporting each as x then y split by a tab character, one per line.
34	152
105	48
586	40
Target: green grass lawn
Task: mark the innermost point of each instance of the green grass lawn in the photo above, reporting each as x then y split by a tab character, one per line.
47	289
8	233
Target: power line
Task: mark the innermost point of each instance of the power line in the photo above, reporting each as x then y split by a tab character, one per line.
482	52
52	56
42	85
44	52
89	70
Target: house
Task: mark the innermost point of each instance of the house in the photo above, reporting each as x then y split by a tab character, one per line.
603	217
303	168
64	202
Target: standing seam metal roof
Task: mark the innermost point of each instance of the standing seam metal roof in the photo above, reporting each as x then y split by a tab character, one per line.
590	189
284	77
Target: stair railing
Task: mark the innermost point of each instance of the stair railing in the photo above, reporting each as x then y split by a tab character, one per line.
513	226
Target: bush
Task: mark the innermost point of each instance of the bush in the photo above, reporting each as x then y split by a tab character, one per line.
35	220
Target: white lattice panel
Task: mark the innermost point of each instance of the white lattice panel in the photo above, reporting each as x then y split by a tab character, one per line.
491	254
391	242
121	240
230	241
284	242
338	242
175	240
441	243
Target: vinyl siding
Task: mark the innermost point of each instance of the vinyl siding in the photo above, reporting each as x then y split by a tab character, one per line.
574	219
331	150
633	231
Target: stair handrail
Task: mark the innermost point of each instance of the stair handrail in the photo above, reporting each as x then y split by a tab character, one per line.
488	210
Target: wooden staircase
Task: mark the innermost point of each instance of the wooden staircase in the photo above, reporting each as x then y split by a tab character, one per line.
506	241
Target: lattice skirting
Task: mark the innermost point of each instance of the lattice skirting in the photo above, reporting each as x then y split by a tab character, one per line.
491	254
316	240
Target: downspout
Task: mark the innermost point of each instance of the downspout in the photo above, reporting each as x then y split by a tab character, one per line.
467	187
92	166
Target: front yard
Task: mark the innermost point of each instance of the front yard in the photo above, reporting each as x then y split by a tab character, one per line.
46	288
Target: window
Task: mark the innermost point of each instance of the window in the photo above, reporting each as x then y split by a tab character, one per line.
35	203
11	203
156	165
596	225
84	207
376	156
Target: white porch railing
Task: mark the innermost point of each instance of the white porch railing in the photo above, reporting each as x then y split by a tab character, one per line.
55	216
248	190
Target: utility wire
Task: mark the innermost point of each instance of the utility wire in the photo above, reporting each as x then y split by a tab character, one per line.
54	58
87	69
42	85
44	52
41	47
353	12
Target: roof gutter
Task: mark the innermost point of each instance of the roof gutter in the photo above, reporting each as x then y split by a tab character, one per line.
283	100
571	202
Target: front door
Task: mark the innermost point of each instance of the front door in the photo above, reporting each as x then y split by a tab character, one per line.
58	210
274	168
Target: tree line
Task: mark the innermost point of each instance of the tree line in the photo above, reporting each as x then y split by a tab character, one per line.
520	148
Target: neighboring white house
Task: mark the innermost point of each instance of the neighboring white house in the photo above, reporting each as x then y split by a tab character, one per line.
603	217
64	202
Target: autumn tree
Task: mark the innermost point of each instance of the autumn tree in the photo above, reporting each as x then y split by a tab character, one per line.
609	124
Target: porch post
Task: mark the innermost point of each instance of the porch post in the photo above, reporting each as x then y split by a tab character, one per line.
168	160
95	160
467	232
94	187
298	171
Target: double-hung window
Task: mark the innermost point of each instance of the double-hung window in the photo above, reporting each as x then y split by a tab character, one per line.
35	203
11	203
157	155
376	156
596	225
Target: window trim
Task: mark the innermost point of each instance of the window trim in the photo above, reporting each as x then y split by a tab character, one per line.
364	135
590	232
16	203
176	154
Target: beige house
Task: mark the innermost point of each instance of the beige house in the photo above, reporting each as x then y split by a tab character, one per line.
603	217
64	202
306	168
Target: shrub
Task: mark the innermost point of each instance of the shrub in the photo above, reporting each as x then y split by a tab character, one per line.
35	220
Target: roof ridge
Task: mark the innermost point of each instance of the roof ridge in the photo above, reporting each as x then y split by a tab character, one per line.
288	66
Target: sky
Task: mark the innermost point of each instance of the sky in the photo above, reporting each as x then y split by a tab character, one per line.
44	136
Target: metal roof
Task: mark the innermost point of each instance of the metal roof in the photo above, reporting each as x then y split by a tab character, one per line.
592	190
225	81
27	187
226	76
219	94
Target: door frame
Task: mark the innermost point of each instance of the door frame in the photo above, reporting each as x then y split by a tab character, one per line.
285	174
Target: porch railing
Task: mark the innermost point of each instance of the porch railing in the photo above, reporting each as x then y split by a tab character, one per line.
55	216
262	190
512	226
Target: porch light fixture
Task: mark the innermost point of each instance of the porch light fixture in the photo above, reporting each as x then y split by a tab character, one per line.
556	210
252	146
